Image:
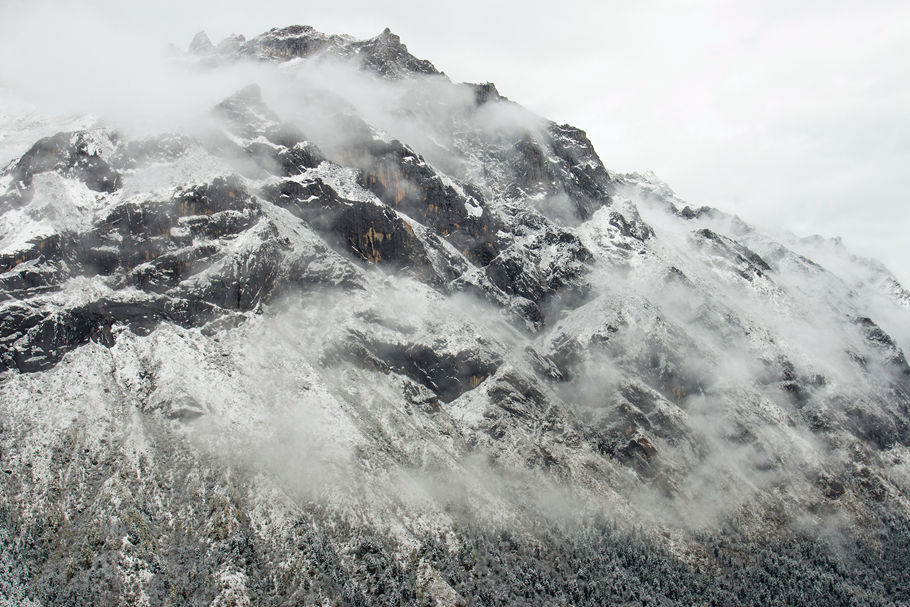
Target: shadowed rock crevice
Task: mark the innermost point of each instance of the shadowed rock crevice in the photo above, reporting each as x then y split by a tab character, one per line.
447	374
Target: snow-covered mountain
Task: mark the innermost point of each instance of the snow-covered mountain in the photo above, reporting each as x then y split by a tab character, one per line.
367	336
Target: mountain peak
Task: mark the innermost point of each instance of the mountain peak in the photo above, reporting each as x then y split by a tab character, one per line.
383	54
387	36
485	92
201	43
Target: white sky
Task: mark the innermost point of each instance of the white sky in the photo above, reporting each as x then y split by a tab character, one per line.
793	115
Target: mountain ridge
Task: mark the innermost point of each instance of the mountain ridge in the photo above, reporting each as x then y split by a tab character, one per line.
370	336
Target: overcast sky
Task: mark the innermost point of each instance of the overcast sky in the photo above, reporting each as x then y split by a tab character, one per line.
791	114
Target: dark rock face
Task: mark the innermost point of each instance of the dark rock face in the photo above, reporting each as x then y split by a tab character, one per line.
531	235
387	56
447	375
152	246
457	212
589	181
486	92
159	247
403	180
34	266
374	233
883	343
564	164
744	262
883	431
69	154
156	235
32	340
632	228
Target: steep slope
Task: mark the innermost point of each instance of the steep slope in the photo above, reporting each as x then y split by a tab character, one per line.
368	336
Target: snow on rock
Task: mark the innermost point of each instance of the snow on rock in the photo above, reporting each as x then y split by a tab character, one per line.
460	360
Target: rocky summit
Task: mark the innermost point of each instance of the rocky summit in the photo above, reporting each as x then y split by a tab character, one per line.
365	336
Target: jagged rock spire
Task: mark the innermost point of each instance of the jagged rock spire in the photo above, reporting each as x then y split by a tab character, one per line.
201	43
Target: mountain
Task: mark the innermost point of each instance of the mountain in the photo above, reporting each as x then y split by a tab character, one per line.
365	336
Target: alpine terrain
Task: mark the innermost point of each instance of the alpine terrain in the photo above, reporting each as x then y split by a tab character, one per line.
361	335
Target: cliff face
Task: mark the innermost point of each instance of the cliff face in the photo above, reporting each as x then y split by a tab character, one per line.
399	341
